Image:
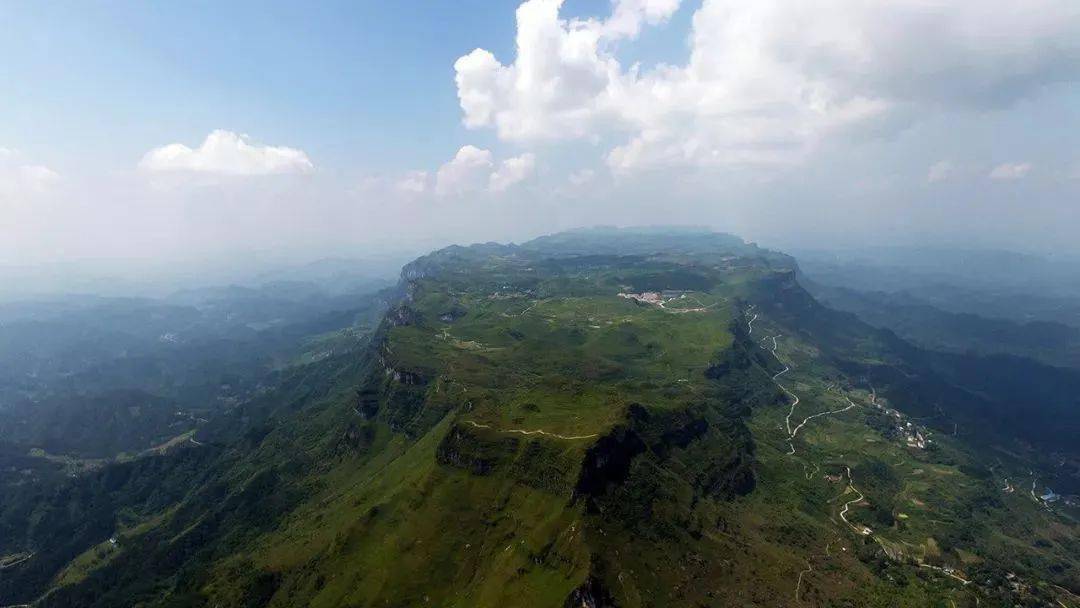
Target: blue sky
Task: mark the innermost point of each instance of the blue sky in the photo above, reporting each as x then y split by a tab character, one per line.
351	83
202	129
355	84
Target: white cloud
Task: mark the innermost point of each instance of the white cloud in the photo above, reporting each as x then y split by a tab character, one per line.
512	171
413	183
20	178
627	16
38	176
227	153
561	79
766	81
1010	171
467	172
474	170
940	171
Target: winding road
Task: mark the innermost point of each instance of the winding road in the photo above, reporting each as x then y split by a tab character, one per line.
536	432
16	562
864	531
787	368
810	569
859	497
802	574
794	432
794	397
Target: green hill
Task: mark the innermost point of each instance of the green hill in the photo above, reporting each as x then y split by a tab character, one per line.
600	418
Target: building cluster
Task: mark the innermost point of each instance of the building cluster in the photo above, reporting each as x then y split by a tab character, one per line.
912	434
647	297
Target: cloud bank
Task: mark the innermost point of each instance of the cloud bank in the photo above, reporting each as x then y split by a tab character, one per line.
474	170
808	123
20	178
512	171
766	81
227	153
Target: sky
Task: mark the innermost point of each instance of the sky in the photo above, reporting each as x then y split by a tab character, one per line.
135	134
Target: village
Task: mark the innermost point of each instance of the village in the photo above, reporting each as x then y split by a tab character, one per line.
913	435
685	301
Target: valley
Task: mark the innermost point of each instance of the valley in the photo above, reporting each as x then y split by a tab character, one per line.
556	424
540	304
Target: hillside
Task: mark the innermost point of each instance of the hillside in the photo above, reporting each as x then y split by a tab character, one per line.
1048	342
597	418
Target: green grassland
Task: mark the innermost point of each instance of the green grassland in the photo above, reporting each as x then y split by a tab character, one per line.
937	506
520	434
480	508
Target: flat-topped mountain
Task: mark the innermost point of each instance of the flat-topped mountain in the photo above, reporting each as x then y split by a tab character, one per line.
608	417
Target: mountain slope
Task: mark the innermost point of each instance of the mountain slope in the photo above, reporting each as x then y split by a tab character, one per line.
559	424
935	329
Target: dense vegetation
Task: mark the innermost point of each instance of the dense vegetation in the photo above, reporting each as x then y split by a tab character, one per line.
91	378
597	418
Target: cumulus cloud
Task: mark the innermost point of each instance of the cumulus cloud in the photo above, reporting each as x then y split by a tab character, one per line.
512	171
766	81
1010	171
17	177
474	170
413	183
468	171
227	153
560	82
627	16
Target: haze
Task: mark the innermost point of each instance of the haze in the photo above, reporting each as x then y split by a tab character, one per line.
156	137
539	303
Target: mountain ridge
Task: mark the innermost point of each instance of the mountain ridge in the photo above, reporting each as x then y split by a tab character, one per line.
532	425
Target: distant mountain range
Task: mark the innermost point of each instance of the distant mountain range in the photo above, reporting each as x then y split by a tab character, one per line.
598	418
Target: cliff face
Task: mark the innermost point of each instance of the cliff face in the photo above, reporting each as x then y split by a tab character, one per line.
518	434
514	429
549	395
